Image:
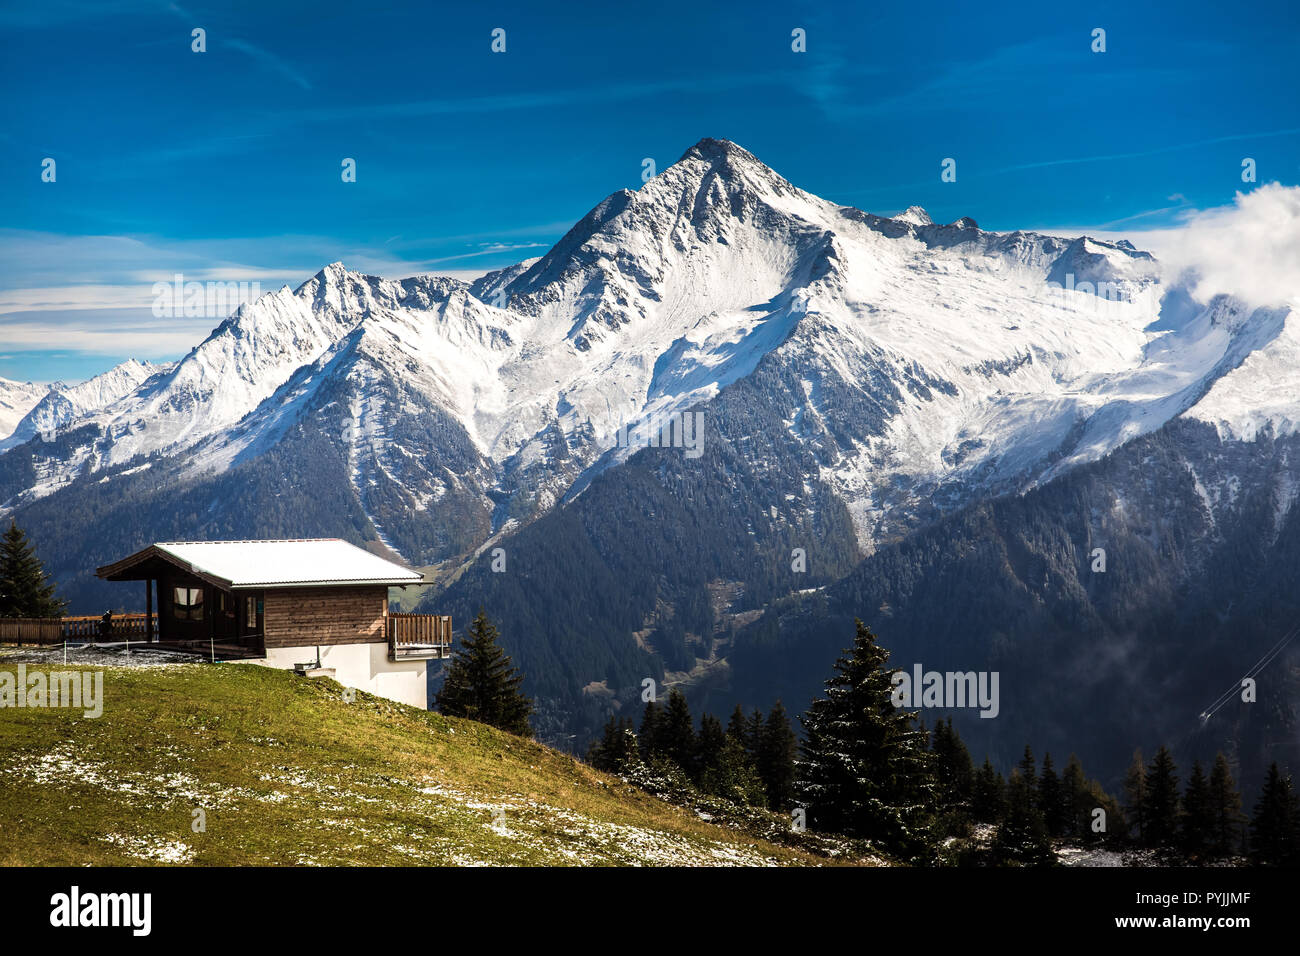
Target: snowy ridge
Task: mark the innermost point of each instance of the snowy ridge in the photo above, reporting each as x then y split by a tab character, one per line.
16	400
936	361
62	403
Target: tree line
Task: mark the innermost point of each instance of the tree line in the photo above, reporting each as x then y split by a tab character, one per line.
750	762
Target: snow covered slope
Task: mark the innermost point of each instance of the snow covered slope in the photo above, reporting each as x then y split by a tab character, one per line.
927	362
62	403
16	400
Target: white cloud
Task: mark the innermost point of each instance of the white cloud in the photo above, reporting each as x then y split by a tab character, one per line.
1250	249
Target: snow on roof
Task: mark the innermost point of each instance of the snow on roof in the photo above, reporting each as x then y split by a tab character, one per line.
302	562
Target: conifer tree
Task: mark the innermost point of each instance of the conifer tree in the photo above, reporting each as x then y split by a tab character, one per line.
677	733
865	769
1225	809
753	734
1162	800
1050	799
1196	824
1135	796
1022	838
712	743
987	803
778	748
1075	802
734	778
650	738
1028	775
25	588
1275	827
954	770
616	747
483	684
1098	799
737	726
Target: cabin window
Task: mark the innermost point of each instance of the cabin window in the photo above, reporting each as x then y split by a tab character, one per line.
250	613
187	604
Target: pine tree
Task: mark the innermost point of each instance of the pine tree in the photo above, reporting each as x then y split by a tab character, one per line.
616	747
1075	802
1275	828
734	778
1051	798
1098	799
737	727
25	589
1197	821
1028	776
778	747
677	733
483	684
712	744
650	737
1162	800
1022	838
955	773
865	770
1135	795
987	804
753	734
1225	809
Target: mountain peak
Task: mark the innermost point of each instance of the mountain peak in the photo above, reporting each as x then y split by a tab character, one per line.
916	216
712	149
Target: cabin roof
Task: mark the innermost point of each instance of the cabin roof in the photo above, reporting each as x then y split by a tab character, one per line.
302	562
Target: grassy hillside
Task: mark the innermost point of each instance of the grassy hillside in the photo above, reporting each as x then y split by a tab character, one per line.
288	771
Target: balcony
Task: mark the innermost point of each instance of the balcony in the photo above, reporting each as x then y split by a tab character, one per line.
419	637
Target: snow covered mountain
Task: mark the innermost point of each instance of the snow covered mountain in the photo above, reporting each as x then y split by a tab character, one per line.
61	404
16	400
932	363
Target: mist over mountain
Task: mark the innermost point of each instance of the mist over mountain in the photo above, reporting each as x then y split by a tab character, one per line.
929	426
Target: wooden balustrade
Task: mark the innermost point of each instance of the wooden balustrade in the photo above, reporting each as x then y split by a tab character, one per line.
419	636
55	630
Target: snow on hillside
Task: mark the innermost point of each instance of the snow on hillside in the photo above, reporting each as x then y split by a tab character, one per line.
995	361
62	403
16	400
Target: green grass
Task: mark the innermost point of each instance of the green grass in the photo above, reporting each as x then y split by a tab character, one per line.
288	771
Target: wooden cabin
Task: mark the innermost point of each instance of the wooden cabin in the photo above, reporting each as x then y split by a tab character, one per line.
312	604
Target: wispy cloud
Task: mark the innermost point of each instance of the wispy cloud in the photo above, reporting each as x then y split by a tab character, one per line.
536	99
269	60
1138	154
114	332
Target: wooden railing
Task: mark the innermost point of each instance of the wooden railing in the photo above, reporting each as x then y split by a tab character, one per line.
419	635
55	630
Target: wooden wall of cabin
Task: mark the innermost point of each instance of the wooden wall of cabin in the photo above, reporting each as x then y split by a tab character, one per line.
303	617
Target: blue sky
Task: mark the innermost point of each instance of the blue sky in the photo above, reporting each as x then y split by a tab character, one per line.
226	164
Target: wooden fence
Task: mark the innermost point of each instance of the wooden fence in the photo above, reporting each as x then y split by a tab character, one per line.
55	630
410	634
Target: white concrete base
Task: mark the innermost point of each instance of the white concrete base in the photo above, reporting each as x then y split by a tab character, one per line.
363	666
